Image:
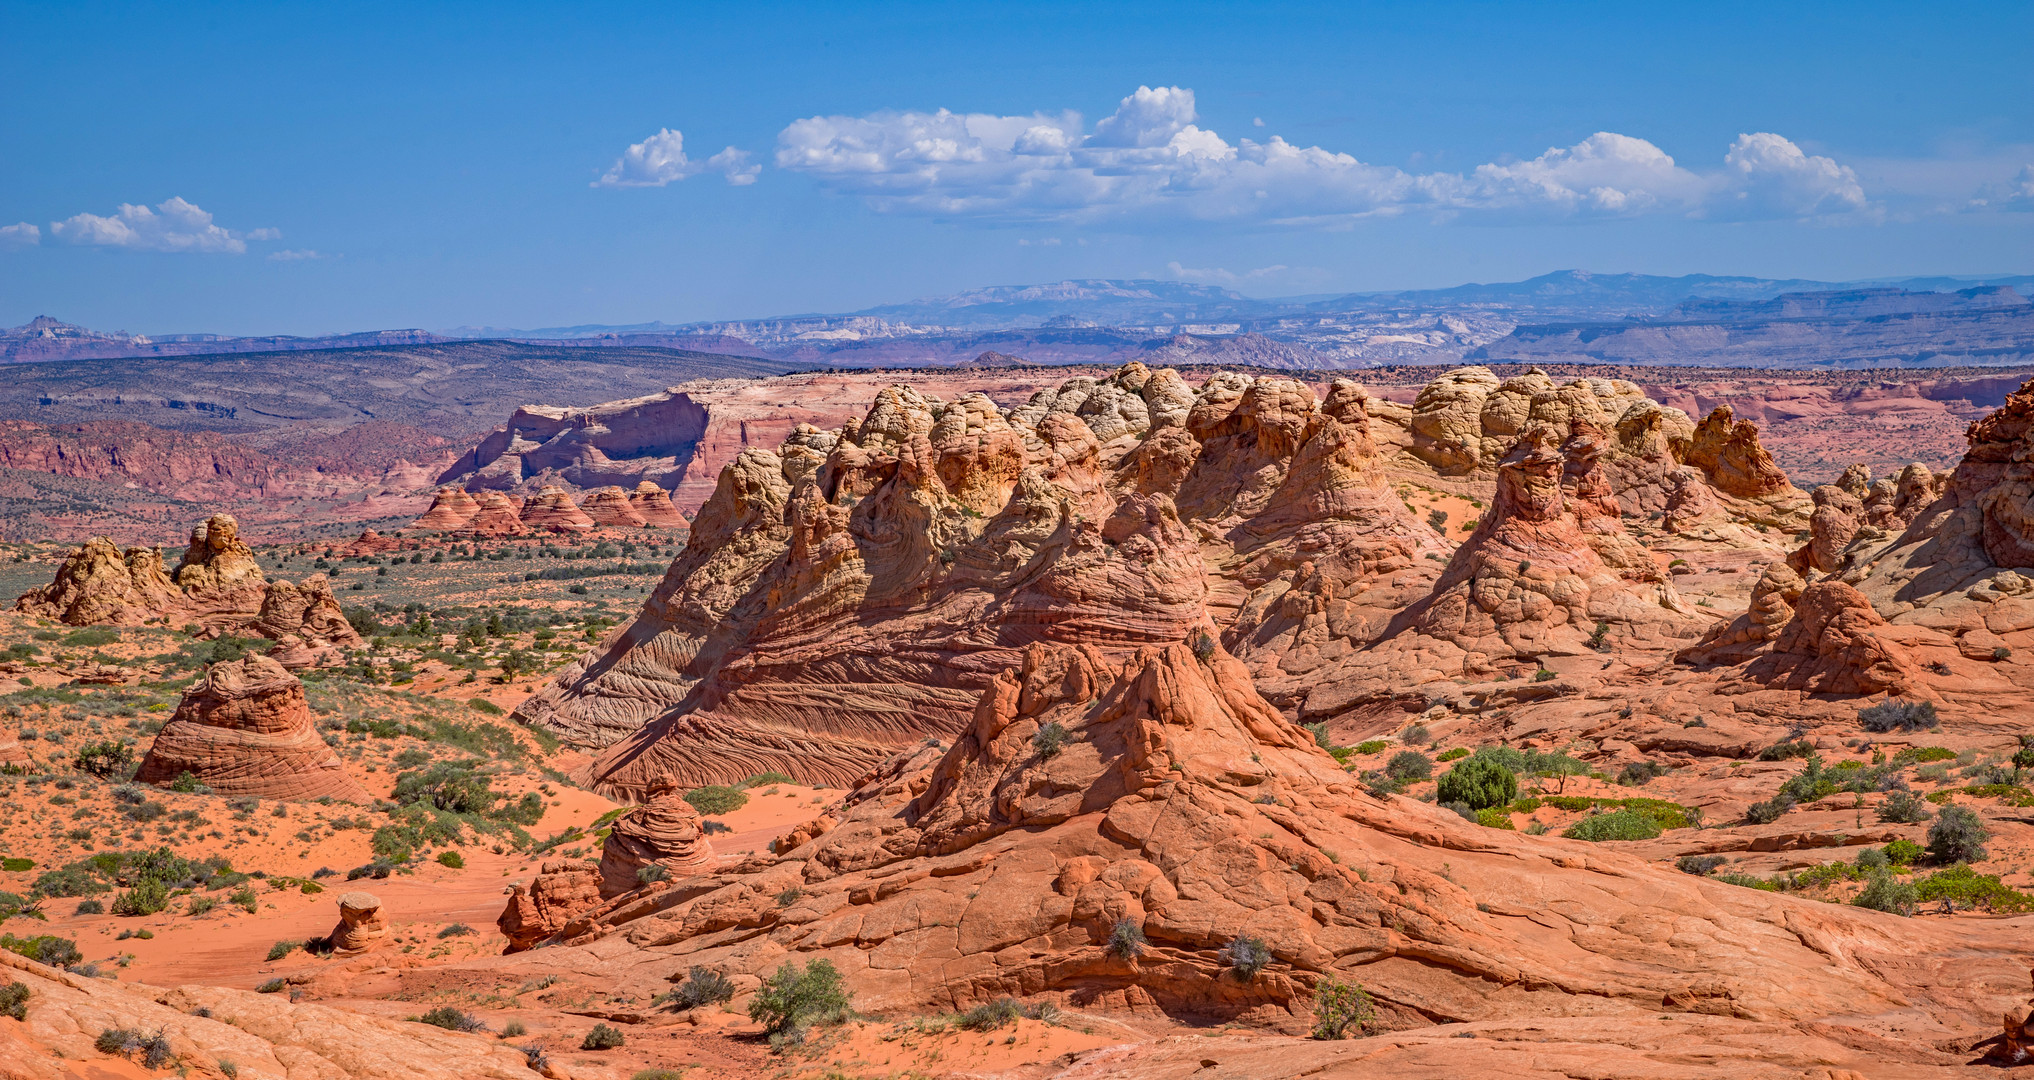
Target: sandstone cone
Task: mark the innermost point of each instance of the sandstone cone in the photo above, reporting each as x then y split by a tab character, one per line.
370	542
361	925
100	585
653	505
222	583
451	508
610	508
664	831
246	730
552	508
498	516
537	910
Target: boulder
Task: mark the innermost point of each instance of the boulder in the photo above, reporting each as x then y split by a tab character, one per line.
307	612
246	730
665	831
537	910
361	926
100	585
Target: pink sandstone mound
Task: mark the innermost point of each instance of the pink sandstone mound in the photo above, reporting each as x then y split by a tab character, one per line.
610	508
451	508
246	730
552	508
653	504
499	516
663	832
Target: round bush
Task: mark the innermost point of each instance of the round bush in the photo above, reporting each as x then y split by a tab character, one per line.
716	799
1409	765
1957	836
1479	782
1619	825
1887	893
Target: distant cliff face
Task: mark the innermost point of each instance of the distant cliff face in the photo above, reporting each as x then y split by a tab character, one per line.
1856	328
647	438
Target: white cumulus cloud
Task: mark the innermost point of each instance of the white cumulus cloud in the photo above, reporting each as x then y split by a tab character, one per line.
175	225
21	235
1150	158
660	160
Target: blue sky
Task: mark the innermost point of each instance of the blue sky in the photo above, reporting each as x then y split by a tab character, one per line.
315	168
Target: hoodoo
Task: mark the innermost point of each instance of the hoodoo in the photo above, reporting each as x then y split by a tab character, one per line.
100	585
552	508
246	730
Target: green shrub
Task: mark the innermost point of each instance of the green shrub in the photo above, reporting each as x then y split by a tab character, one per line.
1958	835
1478	782
703	986
1769	811
14	1000
715	799
795	997
47	949
1699	865
273	986
1451	755
991	1015
90	907
1895	714
1904	852
283	948
1126	939
485	707
1966	888
451	1019
1871	859
1048	740
1544	675
147	897
1922	755
1246	956
514	1029
17	866
154	1050
1371	746
1903	808
765	779
451	859
1338	1007
1885	892
1749	882
1409	765
106	760
246	899
1617	825
1785	750
1494	817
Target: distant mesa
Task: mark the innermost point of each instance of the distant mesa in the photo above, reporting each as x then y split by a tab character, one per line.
247	730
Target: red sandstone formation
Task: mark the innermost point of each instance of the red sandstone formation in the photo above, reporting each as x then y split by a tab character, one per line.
223	584
610	508
664	832
537	910
246	730
1172	800
653	505
1729	452
451	508
11	750
306	622
370	542
499	516
552	509
99	585
361	925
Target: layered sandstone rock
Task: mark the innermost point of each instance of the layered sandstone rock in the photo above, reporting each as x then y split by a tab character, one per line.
451	508
223	584
664	832
498	516
308	615
1728	451
552	508
100	585
610	508
1102	830
538	909
370	542
246	730
832	605
260	1035
361	925
11	750
653	504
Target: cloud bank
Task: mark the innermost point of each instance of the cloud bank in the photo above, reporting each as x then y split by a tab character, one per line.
660	159
21	235
175	225
1151	159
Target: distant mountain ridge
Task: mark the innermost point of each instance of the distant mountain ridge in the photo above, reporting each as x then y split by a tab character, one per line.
1108	320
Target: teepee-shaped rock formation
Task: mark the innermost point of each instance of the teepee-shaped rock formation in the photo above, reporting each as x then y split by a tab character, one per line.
653	505
451	508
610	508
552	508
499	516
246	730
663	832
101	585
